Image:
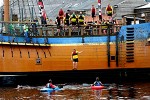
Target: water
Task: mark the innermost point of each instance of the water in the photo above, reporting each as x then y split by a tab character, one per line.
125	91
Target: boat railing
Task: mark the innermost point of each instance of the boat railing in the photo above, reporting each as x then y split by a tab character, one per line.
136	18
35	30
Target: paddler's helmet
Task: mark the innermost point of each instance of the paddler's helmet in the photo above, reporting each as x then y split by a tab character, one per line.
97	78
50	80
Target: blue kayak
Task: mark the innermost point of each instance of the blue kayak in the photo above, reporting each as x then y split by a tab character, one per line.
45	89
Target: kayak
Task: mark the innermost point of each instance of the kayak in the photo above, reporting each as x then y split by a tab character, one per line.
45	89
97	87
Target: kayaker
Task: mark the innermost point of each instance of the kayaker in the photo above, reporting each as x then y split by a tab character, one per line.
50	84
97	82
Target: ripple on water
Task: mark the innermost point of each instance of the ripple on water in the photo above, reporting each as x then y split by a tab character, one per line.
79	92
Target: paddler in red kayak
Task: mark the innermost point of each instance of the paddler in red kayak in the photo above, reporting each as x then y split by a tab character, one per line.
97	82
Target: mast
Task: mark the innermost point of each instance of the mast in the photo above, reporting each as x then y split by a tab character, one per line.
6	10
100	10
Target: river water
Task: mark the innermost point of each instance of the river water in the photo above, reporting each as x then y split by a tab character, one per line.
125	91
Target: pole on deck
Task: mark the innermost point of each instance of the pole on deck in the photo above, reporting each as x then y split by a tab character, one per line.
6	10
100	10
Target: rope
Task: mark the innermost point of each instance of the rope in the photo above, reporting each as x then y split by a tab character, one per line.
19	9
34	8
29	8
24	9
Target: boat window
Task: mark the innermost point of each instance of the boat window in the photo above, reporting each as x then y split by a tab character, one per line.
112	58
38	61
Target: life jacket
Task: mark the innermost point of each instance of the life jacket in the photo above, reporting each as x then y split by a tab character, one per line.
109	9
50	85
93	9
81	18
75	54
73	18
61	12
25	27
97	83
105	25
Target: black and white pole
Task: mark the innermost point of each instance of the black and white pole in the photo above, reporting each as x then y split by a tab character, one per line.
42	12
99	10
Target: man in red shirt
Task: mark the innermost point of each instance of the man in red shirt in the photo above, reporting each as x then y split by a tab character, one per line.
93	12
61	15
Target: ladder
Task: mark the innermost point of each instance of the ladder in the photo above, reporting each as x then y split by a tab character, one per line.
130	44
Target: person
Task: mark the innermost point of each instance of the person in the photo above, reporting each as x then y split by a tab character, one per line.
12	29
50	84
26	31
97	82
81	19
93	12
73	19
104	26
74	58
57	22
61	15
67	16
109	11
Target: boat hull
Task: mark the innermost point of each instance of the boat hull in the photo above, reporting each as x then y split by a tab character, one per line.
75	76
20	58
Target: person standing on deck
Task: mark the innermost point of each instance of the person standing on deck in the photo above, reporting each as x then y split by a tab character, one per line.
26	29
81	19
66	20
109	12
93	12
74	58
61	16
73	19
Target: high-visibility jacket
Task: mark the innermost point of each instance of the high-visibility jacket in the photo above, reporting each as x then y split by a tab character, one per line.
26	28
109	9
75	55
81	18
73	18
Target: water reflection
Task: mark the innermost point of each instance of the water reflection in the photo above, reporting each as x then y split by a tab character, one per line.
137	91
98	94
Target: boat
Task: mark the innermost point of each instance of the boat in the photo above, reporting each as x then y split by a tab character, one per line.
123	51
45	89
97	87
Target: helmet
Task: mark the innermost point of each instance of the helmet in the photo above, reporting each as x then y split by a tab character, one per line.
50	80
97	78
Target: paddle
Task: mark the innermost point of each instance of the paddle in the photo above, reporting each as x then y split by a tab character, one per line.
61	85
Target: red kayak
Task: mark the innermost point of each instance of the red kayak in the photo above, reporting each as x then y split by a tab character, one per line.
97	87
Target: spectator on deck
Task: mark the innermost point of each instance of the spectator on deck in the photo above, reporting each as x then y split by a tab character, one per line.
93	12
81	19
61	15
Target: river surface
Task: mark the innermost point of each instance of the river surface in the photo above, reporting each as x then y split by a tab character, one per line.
125	91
